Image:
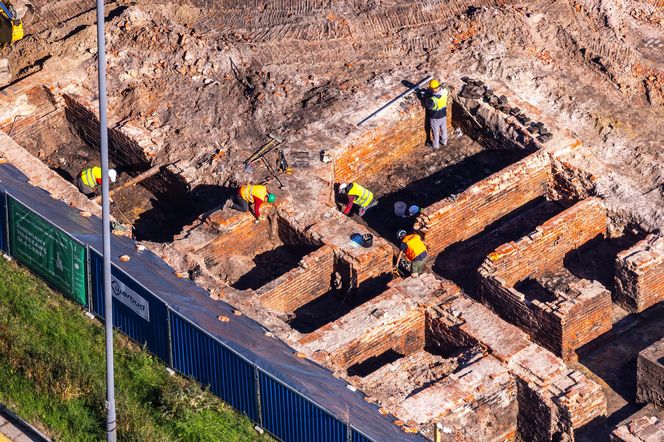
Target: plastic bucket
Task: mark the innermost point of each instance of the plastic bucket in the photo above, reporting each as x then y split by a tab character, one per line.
400	208
367	240
413	210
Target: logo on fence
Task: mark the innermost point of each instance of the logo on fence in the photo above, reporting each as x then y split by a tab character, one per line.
131	299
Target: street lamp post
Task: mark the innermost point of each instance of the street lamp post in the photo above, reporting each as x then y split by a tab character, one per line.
111	434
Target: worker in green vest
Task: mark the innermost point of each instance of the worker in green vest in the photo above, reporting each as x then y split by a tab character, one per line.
358	196
88	180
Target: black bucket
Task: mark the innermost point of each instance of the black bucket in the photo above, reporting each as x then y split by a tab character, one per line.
367	240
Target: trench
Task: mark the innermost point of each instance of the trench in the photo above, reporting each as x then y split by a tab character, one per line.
157	209
460	261
427	177
336	303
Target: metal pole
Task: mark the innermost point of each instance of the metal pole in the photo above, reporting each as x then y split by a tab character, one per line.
111	435
394	100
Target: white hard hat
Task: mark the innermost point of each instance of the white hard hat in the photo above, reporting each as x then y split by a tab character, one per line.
342	186
112	175
401	234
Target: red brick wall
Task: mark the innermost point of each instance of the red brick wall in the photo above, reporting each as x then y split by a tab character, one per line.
640	275
404	336
564	325
455	219
545	248
245	238
375	149
301	285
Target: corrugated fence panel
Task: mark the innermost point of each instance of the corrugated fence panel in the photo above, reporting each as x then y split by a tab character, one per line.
359	437
3	222
291	418
198	355
136	312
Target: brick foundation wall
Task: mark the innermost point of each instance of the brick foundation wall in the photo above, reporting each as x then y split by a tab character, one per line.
544	249
463	216
650	374
301	285
476	403
371	152
640	274
394	320
553	399
645	426
569	321
243	238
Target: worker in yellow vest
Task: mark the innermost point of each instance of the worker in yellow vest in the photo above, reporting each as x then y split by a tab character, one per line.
88	180
436	105
359	196
255	194
415	250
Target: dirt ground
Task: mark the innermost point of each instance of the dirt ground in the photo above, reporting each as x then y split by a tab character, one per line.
224	74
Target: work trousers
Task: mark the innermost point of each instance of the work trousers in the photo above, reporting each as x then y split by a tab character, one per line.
362	210
84	188
439	130
417	266
239	203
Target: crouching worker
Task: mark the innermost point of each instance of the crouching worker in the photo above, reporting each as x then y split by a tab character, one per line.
357	195
88	180
252	194
414	249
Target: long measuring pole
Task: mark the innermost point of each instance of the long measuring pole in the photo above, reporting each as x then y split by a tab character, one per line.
111	434
395	99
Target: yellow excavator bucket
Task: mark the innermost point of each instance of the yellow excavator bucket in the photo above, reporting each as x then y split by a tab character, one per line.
11	27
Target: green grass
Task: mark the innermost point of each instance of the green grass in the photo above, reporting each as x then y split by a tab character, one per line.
52	374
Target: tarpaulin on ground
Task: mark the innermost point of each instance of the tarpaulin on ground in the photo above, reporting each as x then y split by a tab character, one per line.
242	335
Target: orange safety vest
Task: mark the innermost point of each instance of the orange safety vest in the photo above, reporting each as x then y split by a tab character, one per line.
363	197
90	176
249	191
414	246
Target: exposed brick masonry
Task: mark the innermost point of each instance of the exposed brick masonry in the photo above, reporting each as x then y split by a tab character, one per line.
305	283
650	374
462	216
573	317
640	274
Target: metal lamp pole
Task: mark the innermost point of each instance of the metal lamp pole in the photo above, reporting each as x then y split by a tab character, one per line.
111	434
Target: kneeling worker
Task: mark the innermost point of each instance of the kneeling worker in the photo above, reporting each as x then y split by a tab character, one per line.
414	249
88	180
252	194
358	195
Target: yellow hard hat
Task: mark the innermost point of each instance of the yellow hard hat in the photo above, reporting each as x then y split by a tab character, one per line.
434	84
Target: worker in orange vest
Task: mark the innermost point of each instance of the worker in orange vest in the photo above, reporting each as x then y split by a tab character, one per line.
414	249
88	180
255	194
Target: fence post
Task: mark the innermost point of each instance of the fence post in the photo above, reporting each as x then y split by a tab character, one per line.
6	215
259	409
170	336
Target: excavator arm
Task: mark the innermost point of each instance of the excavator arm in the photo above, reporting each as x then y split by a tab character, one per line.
11	26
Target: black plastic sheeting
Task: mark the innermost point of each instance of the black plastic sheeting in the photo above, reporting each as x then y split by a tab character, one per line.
242	335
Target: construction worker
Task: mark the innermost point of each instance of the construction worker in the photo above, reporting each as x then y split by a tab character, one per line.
414	249
252	194
436	105
88	180
358	195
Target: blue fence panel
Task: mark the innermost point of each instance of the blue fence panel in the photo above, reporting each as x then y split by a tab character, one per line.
358	437
198	355
291	418
136	311
3	222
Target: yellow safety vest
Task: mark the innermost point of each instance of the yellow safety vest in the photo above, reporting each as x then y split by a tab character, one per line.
248	191
440	103
90	176
414	246
363	197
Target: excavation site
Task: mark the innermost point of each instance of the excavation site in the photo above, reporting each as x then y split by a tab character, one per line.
505	285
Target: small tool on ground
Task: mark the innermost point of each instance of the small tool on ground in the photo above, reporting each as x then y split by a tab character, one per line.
266	148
